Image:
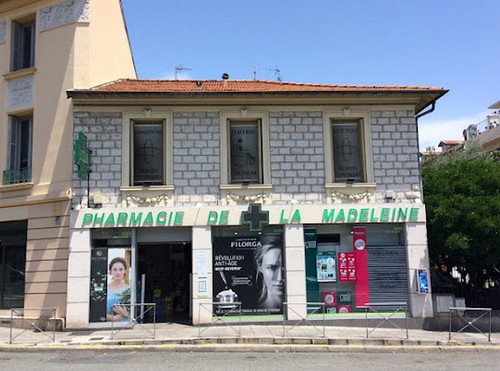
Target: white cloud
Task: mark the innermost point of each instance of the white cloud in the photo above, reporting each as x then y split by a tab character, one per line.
431	132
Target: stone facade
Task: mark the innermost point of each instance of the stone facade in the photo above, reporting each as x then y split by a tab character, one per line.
296	157
20	92
297	163
196	157
66	12
3	29
395	152
104	135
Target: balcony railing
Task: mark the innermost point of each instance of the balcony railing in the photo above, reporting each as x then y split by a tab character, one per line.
17	176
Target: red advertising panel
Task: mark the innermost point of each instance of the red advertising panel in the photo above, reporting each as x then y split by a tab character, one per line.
361	262
347	266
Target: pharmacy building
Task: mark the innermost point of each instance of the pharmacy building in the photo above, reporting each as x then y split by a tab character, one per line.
262	200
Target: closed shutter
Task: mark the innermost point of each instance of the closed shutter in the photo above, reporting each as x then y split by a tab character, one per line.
388	274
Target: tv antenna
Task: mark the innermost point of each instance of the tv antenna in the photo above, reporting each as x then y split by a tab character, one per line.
179	68
276	70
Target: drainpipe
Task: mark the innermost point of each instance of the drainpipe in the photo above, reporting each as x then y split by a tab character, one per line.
421	114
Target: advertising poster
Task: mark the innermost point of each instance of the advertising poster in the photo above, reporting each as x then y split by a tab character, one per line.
248	270
110	285
362	287
423	281
347	266
98	284
326	267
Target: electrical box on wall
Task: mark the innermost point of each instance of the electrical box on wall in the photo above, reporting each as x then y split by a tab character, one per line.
423	281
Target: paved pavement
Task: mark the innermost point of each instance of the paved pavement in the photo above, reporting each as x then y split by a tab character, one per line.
247	337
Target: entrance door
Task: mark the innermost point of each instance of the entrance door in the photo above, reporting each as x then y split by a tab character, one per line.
12	264
166	268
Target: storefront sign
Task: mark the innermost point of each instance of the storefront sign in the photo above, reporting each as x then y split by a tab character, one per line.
232	215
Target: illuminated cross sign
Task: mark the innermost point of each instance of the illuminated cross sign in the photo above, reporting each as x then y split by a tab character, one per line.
82	156
255	217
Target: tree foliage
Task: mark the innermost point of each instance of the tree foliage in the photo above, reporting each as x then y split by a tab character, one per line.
462	197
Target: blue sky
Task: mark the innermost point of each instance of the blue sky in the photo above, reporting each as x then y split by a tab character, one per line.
447	43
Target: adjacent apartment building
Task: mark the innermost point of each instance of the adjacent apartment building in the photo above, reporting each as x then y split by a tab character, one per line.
46	47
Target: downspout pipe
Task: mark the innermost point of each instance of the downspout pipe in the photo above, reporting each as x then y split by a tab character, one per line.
421	114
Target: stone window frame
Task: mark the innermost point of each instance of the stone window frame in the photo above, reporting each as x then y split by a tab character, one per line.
239	116
347	114
147	116
243	193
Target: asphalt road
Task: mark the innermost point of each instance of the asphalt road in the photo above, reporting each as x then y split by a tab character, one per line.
145	360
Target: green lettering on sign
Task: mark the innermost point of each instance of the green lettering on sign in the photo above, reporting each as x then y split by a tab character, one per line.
296	217
328	215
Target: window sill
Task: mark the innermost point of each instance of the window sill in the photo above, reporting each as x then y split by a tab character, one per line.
147	196
232	187
20	73
240	194
16	187
351	192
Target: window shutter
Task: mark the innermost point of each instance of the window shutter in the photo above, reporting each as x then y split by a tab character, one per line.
17	45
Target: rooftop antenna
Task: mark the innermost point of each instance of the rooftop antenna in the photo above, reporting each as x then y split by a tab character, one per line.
276	70
179	68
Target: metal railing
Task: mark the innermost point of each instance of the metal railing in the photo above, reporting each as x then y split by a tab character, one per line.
460	313
223	313
45	318
314	312
17	176
386	315
135	319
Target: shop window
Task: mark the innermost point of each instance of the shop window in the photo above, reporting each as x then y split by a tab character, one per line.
23	44
20	148
347	143
345	270
148	153
245	153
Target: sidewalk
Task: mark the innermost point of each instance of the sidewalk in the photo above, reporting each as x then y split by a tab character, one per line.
247	337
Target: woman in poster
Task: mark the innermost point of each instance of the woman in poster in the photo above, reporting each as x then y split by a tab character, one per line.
118	291
269	264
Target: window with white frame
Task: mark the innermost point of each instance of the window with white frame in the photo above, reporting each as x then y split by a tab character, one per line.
245	152
20	150
23	44
347	151
148	153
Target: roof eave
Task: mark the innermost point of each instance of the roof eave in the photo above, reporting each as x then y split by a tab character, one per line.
420	98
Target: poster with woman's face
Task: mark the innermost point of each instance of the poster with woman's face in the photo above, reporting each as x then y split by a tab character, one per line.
249	270
110	284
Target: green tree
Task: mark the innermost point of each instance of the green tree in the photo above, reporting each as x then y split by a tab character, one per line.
462	198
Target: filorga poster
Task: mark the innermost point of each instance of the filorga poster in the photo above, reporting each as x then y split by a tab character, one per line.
249	270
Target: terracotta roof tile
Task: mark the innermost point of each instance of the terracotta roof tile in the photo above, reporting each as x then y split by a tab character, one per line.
206	86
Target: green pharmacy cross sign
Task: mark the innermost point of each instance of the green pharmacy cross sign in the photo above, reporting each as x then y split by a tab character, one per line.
82	156
255	217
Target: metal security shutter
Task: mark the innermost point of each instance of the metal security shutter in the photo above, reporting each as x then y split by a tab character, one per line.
387	274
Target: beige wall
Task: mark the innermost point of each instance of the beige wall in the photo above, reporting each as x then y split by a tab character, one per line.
110	55
73	55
